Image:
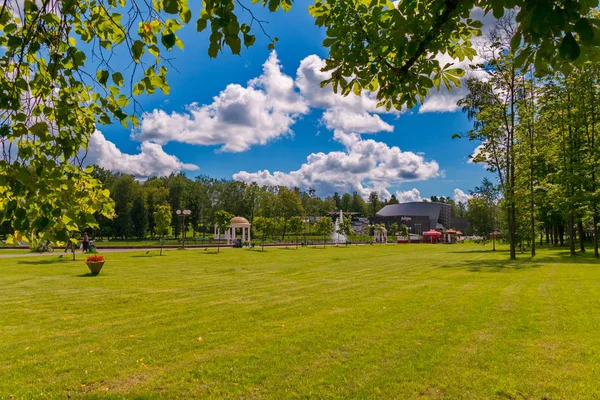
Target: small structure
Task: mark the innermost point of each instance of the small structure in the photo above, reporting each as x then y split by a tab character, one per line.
402	239
450	236
235	224
431	236
380	234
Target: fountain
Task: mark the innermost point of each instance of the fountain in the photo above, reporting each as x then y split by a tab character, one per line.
335	236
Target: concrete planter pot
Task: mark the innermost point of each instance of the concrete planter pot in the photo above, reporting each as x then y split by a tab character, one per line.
95	266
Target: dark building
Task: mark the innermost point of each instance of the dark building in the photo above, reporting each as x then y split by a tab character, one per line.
461	224
419	217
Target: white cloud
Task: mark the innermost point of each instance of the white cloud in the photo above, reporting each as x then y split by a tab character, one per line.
349	113
363	166
460	196
409	195
349	121
152	159
444	100
238	117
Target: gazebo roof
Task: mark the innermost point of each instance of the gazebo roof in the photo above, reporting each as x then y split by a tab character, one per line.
239	221
432	233
451	231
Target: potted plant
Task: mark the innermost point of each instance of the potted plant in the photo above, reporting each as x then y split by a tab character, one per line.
95	264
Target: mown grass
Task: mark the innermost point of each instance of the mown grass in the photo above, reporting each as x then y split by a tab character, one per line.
395	321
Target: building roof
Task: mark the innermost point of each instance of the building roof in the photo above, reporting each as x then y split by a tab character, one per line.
239	220
416	208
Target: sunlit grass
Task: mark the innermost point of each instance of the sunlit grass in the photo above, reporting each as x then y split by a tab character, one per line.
395	321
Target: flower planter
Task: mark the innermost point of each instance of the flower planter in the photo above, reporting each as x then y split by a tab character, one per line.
95	266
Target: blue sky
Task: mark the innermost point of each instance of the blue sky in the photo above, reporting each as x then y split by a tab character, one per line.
274	123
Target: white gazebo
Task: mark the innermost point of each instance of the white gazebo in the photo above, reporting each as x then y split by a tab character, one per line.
380	235
235	224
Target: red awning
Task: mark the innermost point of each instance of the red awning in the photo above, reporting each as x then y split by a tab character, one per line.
432	233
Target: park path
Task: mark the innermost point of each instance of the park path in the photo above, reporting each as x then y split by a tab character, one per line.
58	253
61	251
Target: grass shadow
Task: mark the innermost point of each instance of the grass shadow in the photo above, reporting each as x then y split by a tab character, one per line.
495	265
482	251
88	275
46	261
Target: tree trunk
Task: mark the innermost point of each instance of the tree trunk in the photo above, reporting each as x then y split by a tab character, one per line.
581	236
284	230
572	231
561	235
595	231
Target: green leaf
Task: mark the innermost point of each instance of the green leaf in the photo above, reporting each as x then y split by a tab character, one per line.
213	50
234	44
171	6
40	129
138	89
138	49
168	40
584	30
569	48
515	42
249	40
185	14
201	24
117	78
41	223
10	28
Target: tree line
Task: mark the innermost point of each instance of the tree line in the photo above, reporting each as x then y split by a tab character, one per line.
274	210
539	134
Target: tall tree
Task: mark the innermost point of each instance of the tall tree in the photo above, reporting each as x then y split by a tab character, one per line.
139	215
123	195
162	219
222	220
288	206
373	204
324	227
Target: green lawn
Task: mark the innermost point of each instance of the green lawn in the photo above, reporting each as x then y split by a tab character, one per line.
392	322
14	251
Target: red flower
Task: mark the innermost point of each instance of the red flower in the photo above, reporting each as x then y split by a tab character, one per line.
95	259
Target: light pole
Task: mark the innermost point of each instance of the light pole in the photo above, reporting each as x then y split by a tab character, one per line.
183	214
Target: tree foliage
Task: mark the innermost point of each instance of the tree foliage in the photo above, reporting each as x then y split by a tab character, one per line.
58	84
390	47
162	219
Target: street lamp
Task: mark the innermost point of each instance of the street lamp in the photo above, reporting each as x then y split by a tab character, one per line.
183	214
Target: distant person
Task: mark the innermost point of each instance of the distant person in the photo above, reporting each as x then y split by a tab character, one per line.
85	242
70	245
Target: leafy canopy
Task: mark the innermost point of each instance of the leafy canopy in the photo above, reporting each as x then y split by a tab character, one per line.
58	83
391	47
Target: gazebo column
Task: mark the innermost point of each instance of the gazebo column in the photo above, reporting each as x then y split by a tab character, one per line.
248	235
